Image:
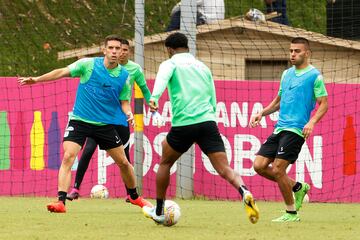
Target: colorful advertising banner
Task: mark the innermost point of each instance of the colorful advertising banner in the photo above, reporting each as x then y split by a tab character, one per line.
33	119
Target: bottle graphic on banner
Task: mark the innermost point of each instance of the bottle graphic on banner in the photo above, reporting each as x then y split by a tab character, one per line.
19	161
4	142
37	143
349	147
54	141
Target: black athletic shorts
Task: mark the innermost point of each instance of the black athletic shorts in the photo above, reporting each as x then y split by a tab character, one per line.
106	136
284	145
205	134
124	134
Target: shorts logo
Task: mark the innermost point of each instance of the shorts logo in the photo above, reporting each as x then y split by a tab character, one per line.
67	131
117	139
281	151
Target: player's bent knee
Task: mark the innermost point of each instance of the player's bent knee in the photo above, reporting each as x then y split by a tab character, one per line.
122	162
259	168
68	158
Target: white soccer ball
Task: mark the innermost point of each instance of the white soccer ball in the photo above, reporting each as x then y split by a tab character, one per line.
99	191
172	213
306	199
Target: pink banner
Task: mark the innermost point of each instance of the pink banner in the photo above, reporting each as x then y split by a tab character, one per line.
328	160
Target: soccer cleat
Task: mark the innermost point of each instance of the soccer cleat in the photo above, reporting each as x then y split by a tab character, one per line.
150	212
287	217
141	202
251	208
73	195
299	195
56	207
127	199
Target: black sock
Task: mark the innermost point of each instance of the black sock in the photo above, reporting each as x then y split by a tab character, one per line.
133	194
159	206
291	212
62	196
297	186
127	190
242	189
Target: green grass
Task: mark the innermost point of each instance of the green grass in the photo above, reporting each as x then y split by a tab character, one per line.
27	218
25	26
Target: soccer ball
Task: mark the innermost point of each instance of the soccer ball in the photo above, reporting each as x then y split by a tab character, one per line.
172	213
99	191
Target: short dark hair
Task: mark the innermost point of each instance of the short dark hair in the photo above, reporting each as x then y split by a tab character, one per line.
111	38
125	41
176	40
301	40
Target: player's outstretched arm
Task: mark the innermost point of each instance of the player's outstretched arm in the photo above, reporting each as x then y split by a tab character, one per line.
50	76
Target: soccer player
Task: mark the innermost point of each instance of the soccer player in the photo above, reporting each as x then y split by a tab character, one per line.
135	75
103	82
301	87
192	95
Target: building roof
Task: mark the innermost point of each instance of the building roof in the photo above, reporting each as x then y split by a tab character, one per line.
268	27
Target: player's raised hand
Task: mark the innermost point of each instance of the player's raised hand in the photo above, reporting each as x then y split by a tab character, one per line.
308	128
27	80
130	118
255	120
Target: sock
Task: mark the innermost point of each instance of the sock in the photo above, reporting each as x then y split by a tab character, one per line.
297	187
133	194
242	189
159	206
291	212
76	186
62	196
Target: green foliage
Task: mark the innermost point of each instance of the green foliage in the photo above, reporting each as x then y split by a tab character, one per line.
32	32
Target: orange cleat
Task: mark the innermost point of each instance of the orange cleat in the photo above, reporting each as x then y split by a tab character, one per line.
56	207
141	202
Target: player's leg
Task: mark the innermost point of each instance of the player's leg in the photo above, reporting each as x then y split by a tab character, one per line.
284	183
263	168
289	148
168	158
74	138
266	156
212	145
124	134
126	170
274	146
178	141
89	149
109	140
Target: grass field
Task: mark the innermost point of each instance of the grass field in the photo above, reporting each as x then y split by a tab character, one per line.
27	218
